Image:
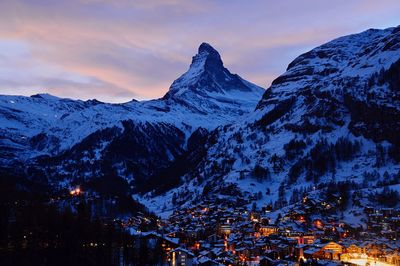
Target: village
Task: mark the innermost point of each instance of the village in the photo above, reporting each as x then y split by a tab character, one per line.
225	233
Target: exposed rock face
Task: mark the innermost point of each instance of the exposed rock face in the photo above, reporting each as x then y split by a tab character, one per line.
209	85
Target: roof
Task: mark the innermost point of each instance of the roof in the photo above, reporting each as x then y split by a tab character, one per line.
311	251
183	250
152	233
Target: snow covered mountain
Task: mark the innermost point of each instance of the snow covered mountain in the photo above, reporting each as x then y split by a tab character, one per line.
207	85
328	126
326	129
77	140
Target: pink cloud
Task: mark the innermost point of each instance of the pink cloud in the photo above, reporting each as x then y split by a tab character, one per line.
139	47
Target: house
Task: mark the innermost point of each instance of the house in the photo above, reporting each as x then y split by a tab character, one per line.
330	251
354	250
205	261
154	246
267	230
212	238
154	241
312	252
224	229
308	239
266	261
374	250
299	250
394	258
182	257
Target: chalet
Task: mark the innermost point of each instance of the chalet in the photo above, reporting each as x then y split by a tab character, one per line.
212	238
182	257
330	251
393	258
205	261
266	261
307	239
311	252
354	250
166	242
150	244
374	250
224	229
283	250
267	230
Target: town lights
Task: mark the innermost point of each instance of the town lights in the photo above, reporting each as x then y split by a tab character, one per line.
197	246
318	223
75	192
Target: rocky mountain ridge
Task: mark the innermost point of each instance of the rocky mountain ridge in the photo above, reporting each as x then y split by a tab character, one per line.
75	141
329	121
326	128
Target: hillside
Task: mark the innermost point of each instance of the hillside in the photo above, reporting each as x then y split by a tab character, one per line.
329	122
63	142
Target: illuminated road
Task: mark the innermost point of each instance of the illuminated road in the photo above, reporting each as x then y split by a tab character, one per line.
362	262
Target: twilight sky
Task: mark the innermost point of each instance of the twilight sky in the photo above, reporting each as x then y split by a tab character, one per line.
118	50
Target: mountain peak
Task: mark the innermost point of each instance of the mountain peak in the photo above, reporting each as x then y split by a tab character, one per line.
207	81
207	58
45	96
207	48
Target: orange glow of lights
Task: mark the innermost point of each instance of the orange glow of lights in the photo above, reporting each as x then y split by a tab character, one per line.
318	223
75	192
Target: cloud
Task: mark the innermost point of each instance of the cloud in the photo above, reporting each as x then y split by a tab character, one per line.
113	50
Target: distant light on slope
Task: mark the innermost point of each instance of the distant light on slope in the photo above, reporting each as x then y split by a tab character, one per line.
75	192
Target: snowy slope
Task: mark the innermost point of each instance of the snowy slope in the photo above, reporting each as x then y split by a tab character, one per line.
333	116
61	123
331	120
64	141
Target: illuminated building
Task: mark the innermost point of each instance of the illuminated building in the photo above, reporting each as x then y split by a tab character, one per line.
181	257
